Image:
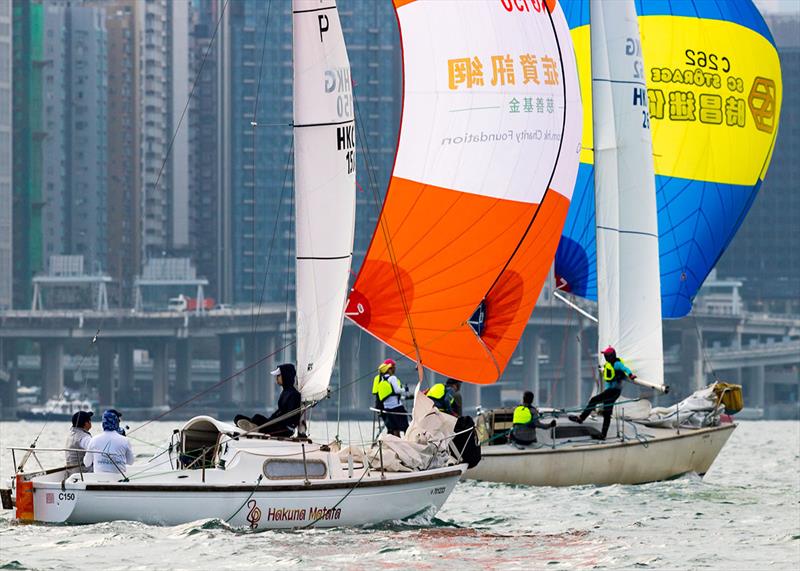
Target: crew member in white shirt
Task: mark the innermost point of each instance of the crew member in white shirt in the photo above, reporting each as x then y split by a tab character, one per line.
117	452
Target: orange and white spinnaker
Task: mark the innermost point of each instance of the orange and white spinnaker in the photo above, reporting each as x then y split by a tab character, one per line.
485	166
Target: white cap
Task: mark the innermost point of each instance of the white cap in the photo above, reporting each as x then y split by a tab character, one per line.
276	372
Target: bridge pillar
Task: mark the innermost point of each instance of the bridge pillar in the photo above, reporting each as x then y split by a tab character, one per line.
125	389
265	383
530	358
160	374
250	375
490	396
470	398
692	361
227	366
8	387
371	353
105	373
572	368
52	359
758	378
183	368
348	369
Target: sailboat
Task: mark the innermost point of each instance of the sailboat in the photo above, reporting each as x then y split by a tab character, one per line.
213	469
644	444
489	146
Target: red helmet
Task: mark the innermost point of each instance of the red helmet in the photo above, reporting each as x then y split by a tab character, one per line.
609	351
390	362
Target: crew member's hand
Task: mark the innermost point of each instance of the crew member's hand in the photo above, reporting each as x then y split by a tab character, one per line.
552	424
633	377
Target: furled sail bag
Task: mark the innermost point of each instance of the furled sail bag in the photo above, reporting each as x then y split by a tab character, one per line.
714	95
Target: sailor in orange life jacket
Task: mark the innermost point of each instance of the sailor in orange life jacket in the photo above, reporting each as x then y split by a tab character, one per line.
614	372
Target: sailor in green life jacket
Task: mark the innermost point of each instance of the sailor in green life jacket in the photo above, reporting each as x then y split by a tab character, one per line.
614	372
526	421
389	391
443	396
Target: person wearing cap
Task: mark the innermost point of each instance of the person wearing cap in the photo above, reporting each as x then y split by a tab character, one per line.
390	393
614	373
109	451
383	368
457	405
286	419
78	439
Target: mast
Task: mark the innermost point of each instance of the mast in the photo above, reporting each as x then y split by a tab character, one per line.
629	289
325	186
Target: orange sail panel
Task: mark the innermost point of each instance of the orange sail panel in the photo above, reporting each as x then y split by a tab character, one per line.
485	166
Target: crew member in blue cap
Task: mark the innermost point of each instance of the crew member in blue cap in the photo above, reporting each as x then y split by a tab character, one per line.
110	451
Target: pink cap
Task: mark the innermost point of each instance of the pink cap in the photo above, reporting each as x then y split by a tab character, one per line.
390	362
609	350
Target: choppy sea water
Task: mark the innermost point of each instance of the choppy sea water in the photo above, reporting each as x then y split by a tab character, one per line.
745	514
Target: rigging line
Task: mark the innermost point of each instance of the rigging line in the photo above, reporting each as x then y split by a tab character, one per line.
254	125
286	170
555	163
92	343
387	237
191	94
212	387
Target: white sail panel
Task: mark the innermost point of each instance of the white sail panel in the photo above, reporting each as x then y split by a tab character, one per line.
495	126
629	294
324	166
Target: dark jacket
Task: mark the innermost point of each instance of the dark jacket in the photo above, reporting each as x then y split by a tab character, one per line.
289	401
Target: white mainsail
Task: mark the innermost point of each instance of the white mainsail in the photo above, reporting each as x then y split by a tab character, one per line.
629	291
324	167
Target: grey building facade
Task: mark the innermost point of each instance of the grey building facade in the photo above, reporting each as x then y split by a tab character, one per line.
74	120
6	157
765	253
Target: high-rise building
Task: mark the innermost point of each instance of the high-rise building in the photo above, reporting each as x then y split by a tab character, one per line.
74	91
6	157
124	180
204	144
28	135
254	193
766	250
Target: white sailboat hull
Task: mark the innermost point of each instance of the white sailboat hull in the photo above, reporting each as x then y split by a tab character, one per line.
330	503
668	455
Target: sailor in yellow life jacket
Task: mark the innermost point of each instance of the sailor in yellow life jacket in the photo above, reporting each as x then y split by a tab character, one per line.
388	392
526	421
442	396
614	373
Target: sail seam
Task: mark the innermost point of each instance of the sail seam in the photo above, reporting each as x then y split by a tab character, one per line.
314	10
323	257
627	231
323	124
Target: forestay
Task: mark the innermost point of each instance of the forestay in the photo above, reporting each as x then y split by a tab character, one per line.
324	166
629	296
485	165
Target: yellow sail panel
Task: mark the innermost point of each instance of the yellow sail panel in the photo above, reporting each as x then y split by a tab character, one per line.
486	162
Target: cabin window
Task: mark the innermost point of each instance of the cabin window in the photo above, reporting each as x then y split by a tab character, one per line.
282	469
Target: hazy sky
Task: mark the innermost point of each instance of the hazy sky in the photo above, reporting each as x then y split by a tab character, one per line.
778	6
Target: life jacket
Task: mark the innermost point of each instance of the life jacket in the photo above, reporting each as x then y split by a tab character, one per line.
613	377
522	415
385	389
441	397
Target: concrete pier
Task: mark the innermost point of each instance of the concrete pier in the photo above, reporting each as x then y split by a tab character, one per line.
52	355
158	354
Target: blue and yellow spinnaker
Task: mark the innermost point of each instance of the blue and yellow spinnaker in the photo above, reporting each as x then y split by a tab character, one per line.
714	88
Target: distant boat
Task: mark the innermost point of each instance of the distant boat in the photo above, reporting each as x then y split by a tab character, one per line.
59	409
643	445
